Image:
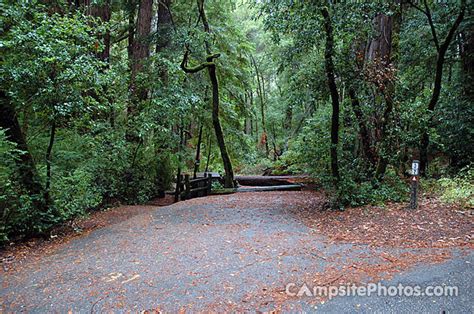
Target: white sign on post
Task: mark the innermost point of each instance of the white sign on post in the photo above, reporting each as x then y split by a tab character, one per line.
415	170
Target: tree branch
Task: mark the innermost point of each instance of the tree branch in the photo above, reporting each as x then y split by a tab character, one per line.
432	27
427	13
199	67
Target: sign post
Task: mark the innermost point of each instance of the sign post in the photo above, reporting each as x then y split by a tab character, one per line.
415	171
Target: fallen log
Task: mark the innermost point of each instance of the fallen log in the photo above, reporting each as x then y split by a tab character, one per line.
264	180
287	187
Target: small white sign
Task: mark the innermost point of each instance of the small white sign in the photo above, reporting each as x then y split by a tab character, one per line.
415	170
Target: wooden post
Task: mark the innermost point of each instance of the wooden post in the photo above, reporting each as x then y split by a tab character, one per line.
209	183
414	184
187	186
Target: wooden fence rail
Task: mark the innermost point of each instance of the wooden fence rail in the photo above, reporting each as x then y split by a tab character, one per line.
187	188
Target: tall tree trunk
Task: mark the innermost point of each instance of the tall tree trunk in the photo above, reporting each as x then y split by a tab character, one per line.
287	125
209	146
379	64
197	160
27	173
164	27
140	50
442	49
229	172
248	117
389	92
328	55
275	151
178	175
47	195
261	95
164	24
132	7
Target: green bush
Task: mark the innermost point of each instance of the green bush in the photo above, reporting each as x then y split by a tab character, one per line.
288	163
76	193
352	193
459	189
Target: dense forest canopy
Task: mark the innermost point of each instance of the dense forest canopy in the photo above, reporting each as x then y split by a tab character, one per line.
105	101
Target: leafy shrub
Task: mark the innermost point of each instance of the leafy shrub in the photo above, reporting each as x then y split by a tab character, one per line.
460	189
352	193
74	194
288	163
216	185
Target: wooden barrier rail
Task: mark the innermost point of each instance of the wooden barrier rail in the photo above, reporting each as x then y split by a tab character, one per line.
187	188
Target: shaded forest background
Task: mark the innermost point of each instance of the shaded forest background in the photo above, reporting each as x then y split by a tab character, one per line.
105	101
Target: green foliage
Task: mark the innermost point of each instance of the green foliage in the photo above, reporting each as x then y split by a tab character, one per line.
50	64
352	193
459	189
8	197
76	193
216	185
290	163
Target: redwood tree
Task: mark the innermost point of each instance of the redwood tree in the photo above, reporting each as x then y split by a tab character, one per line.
140	50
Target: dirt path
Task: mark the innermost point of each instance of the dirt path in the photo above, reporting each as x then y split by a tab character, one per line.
232	252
